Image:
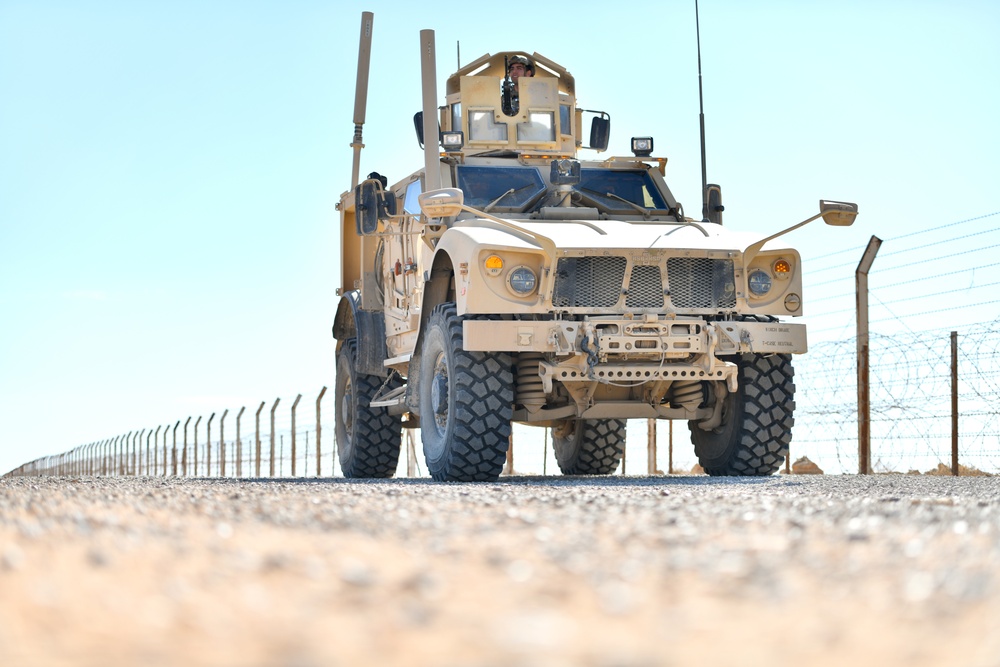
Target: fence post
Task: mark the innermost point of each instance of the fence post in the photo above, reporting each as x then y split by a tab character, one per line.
163	459
156	443
273	408
319	435
257	470
624	450
670	448
117	464
184	455
651	446
239	444
195	452
173	458
411	455
208	447
864	388
954	403
222	443
294	405
148	454
137	453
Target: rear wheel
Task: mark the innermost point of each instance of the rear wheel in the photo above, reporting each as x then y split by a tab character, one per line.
466	402
368	438
589	446
757	420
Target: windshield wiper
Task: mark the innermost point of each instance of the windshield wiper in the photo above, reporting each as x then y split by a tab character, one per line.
497	200
611	195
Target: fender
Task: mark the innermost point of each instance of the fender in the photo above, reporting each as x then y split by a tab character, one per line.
368	327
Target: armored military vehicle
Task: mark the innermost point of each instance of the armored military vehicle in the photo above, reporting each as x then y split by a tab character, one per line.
512	280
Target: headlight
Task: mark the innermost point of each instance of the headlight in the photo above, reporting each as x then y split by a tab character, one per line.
760	283
522	281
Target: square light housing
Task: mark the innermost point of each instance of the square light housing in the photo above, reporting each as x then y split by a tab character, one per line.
453	140
642	146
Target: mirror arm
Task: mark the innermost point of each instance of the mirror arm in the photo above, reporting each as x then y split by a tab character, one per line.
752	250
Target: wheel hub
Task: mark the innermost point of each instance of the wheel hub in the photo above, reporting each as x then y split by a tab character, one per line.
347	409
439	393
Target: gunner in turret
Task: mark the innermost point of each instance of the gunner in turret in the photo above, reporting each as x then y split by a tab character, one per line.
519	66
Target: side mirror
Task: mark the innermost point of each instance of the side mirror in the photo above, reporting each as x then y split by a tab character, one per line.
715	207
600	132
418	125
443	203
372	204
838	213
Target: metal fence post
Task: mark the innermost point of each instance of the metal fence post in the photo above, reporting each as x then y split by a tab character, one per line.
864	388
137	453
670	447
184	454
257	438
294	405
273	408
651	446
954	403
319	435
173	458
148	459
208	447
222	443
156	443
195	453
239	444
119	449
166	434
411	455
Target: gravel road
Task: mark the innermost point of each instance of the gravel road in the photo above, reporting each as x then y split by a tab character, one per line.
611	572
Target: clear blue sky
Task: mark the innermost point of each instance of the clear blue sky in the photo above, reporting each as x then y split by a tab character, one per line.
169	170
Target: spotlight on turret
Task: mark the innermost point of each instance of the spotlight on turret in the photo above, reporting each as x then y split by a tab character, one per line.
642	146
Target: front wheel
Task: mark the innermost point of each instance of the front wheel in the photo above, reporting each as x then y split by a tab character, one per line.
466	402
368	439
757	420
589	446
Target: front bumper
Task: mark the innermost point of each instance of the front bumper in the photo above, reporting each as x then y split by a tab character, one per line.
648	339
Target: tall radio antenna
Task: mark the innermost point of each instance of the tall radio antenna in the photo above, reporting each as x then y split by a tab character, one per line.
701	120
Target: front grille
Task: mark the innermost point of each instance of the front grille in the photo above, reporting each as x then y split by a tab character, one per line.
588	282
645	288
701	282
597	282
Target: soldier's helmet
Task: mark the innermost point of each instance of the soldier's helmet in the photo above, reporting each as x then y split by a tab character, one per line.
528	65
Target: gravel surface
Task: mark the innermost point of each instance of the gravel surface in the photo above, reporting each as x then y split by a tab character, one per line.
615	572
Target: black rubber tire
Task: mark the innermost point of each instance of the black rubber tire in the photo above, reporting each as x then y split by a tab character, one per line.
757	420
590	446
466	402
368	439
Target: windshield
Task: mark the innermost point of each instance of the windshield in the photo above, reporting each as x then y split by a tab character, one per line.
484	185
608	187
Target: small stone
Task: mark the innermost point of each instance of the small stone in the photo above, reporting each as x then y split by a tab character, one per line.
803	466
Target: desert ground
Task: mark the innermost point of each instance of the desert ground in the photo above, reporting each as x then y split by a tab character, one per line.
610	572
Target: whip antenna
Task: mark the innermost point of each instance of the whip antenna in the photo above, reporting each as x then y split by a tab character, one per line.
701	120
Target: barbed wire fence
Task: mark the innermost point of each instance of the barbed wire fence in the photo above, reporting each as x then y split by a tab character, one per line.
924	285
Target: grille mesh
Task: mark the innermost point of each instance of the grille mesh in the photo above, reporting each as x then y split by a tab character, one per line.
588	282
701	283
645	288
596	282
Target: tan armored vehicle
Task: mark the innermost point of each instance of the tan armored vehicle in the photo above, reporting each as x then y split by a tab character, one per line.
510	280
